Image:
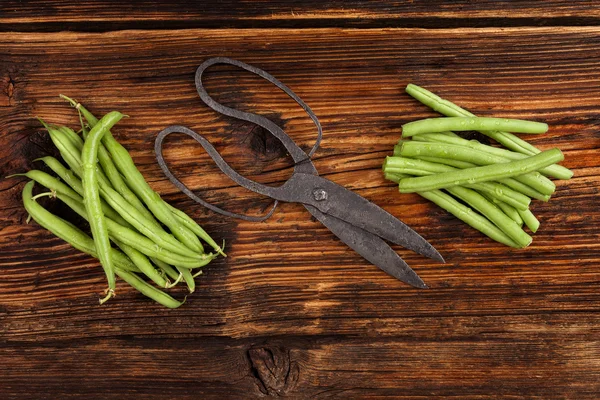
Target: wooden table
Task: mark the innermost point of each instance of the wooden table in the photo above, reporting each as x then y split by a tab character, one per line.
292	311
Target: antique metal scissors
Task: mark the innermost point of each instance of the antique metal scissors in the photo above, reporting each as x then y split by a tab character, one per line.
359	223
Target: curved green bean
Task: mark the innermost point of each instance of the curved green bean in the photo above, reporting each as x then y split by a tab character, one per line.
450	109
142	263
140	187
480	174
69	177
91	194
188	278
140	242
148	290
67	231
431	125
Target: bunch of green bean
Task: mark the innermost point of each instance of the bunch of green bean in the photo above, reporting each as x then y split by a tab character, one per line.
489	188
101	184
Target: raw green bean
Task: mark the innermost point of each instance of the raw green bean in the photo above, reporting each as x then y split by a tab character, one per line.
418	167
390	176
493	213
431	125
468	216
551	170
140	187
416	149
450	109
510	182
143	264
137	183
188	278
117	182
509	210
91	194
169	270
148	290
140	242
480	174
69	177
67	231
530	220
148	227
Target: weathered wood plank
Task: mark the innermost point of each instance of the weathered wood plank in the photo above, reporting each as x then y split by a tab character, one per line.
528	317
58	15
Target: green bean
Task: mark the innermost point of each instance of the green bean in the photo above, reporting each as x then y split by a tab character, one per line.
468	216
182	222
148	290
140	242
480	174
69	177
416	149
425	168
394	177
551	170
450	109
91	193
117	182
142	263
67	231
432	125
189	279
509	210
530	220
147	226
493	213
169	270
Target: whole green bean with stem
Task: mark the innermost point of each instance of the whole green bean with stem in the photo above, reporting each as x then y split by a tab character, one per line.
450	109
67	231
528	176
140	242
148	227
138	184
91	194
480	174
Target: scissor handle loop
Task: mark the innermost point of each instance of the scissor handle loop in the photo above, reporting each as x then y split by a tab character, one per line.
298	155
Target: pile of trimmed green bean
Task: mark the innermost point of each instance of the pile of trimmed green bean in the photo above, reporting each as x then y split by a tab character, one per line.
102	185
489	188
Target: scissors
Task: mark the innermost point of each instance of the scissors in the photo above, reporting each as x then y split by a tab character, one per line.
359	223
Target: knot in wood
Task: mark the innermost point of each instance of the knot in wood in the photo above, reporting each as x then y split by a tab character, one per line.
275	374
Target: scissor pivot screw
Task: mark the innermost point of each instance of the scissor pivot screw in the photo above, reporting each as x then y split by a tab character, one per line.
320	194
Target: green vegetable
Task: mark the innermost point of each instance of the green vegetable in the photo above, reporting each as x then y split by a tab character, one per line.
530	220
532	179
91	195
424	168
471	124
481	174
551	170
450	109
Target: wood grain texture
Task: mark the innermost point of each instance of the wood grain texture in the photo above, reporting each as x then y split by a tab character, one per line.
97	15
293	312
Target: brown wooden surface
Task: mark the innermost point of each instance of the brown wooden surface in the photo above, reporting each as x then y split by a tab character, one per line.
293	312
